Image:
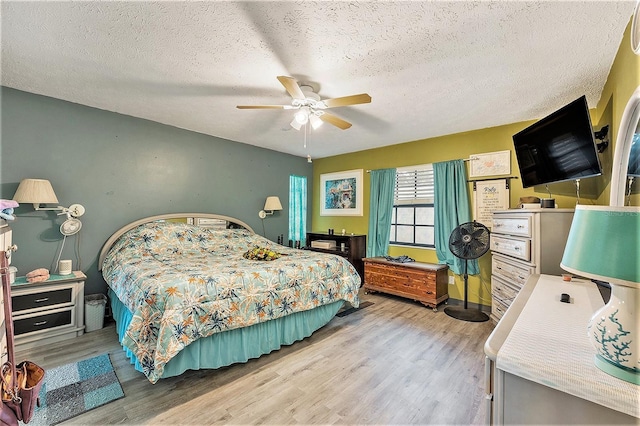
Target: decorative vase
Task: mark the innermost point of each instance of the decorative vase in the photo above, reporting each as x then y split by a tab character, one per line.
613	332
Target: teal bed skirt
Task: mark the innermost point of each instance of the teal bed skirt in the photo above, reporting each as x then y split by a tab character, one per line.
233	346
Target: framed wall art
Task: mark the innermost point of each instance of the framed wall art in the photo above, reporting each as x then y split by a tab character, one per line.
490	164
341	193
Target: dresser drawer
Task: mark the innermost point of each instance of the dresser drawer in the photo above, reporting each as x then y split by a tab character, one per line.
498	309
516	274
45	321
503	291
29	301
520	226
518	248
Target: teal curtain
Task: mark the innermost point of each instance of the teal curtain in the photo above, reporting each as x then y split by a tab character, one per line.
298	209
380	210
452	208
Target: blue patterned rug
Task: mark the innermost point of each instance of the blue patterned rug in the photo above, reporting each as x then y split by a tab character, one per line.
75	388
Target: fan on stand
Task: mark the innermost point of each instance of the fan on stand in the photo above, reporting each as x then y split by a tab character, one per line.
468	241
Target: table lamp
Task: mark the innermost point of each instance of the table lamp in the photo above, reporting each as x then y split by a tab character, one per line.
604	245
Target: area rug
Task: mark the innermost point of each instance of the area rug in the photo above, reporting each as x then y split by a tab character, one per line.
348	311
75	388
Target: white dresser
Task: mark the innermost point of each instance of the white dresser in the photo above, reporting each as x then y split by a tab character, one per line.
524	242
540	367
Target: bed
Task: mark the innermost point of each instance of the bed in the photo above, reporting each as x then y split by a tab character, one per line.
202	291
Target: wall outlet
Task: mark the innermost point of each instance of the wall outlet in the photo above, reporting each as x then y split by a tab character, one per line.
452	280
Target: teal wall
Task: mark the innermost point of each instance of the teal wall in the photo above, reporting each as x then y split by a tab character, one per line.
122	168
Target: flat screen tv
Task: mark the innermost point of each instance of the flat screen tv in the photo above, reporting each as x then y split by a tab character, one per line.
559	147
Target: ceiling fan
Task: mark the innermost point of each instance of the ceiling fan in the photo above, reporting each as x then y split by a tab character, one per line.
310	107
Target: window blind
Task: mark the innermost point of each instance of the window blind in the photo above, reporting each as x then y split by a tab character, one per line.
414	185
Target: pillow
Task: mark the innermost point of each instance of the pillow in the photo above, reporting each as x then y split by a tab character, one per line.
261	253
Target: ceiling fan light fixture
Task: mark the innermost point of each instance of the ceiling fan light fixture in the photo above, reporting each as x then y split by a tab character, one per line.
302	116
315	121
294	123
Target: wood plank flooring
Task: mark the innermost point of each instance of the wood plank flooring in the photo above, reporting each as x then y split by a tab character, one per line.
395	362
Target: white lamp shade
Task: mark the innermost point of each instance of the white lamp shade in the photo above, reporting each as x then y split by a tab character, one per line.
35	191
302	116
294	123
315	121
272	203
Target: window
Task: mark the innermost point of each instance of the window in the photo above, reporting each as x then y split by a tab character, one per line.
298	208
412	221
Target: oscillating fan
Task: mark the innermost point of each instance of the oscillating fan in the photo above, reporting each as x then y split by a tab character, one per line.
72	225
468	241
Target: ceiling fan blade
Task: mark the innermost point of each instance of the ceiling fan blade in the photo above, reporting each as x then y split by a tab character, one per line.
264	107
292	87
362	98
332	119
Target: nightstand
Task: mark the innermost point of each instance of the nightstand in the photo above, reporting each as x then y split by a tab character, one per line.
48	311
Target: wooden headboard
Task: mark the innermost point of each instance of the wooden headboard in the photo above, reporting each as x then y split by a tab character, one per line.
207	220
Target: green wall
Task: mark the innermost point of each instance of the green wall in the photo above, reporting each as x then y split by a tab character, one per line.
123	168
623	79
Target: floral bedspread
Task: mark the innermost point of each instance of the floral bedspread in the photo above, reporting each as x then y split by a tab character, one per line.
182	282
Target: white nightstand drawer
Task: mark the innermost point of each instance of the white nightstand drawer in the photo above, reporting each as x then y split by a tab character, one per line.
520	226
520	249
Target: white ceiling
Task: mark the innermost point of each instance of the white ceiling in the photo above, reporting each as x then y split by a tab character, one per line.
431	67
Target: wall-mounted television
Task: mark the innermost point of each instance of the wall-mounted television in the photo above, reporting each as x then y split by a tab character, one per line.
559	147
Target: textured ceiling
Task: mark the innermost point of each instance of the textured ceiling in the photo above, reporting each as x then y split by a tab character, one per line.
432	68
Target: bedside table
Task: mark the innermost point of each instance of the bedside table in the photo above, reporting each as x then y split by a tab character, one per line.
48	311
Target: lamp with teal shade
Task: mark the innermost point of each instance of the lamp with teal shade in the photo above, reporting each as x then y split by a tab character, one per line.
604	245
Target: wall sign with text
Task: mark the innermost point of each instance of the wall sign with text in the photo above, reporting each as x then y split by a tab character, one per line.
489	196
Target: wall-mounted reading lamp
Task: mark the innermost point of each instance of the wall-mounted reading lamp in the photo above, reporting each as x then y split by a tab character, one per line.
40	191
272	204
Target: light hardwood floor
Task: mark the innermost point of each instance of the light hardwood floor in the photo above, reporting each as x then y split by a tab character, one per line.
395	362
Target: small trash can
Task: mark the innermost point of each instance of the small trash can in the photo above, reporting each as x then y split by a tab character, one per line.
94	311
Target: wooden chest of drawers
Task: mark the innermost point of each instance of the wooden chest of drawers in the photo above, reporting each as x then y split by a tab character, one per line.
423	282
